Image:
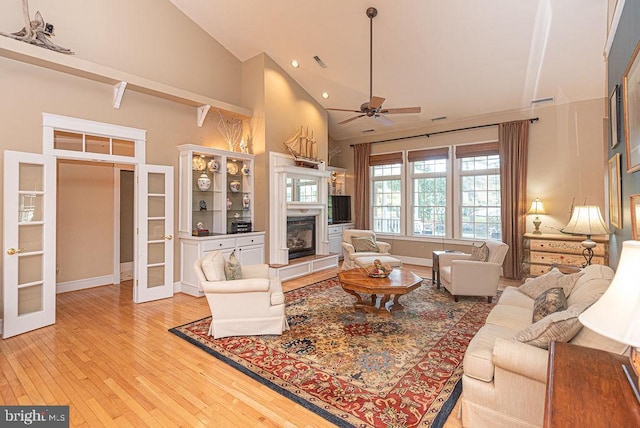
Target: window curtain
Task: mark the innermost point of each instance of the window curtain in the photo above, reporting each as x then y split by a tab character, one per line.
361	180
513	138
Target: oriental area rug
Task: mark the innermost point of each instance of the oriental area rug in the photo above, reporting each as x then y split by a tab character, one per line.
359	369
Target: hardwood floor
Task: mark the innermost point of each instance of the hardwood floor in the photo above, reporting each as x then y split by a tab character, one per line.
115	364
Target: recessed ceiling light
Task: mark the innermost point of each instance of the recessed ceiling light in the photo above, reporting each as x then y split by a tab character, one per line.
295	64
325	95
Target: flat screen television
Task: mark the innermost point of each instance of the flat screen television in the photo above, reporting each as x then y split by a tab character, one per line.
339	209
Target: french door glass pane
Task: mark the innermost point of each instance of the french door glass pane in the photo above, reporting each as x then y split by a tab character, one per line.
30	177
155	276
29	269
29	299
30	237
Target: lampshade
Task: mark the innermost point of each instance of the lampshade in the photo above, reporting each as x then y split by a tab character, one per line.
536	207
586	220
616	314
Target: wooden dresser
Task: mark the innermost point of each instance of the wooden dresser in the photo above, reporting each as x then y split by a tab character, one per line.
587	388
542	251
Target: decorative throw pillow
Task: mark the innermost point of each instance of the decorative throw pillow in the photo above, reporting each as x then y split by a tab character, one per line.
552	279
480	253
232	269
559	326
552	300
364	244
213	266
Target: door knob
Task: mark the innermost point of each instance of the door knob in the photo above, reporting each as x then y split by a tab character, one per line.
12	251
168	237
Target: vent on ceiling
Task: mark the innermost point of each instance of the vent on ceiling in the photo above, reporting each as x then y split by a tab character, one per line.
435	119
364	131
319	62
542	100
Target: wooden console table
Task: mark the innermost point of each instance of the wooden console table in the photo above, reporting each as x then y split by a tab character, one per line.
587	388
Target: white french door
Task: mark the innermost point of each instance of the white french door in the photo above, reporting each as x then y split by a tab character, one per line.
154	240
29	278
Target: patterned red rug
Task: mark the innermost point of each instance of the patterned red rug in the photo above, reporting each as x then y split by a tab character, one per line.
360	369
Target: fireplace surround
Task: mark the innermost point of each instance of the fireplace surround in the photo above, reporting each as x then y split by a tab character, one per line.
301	236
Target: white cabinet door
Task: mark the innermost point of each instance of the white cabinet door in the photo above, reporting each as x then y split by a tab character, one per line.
251	255
154	241
29	285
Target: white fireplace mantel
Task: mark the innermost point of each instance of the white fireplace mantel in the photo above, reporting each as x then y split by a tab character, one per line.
281	167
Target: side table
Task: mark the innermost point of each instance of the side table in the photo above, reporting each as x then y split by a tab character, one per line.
435	265
587	387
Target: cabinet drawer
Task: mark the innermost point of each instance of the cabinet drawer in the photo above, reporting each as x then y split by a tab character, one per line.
563	259
567	247
335	230
219	244
250	240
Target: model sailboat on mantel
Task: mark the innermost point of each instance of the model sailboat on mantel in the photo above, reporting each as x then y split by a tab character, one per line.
303	148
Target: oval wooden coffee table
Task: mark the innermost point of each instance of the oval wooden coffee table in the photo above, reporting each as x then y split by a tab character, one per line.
399	282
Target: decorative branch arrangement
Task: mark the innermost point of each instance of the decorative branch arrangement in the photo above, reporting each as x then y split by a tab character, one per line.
231	130
36	32
335	150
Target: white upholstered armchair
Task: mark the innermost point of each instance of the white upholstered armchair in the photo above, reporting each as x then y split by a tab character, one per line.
252	305
462	276
350	252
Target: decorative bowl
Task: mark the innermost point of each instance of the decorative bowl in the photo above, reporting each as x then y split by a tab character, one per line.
378	270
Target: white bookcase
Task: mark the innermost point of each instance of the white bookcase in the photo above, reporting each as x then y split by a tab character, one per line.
216	209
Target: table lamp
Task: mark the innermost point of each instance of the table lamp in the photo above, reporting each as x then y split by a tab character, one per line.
586	220
536	208
616	314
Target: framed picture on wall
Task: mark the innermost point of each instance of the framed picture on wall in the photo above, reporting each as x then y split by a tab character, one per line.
614	115
615	201
635	216
631	92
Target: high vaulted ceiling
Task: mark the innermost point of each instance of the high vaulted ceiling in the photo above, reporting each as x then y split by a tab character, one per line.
454	58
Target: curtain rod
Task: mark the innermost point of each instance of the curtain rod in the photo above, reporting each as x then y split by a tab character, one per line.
428	134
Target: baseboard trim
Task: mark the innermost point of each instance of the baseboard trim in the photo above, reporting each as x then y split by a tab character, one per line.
82	284
419	261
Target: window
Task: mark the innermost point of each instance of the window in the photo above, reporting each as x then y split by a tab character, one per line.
429	191
386	192
480	197
455	197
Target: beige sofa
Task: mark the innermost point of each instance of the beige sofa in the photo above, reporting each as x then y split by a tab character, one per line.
504	380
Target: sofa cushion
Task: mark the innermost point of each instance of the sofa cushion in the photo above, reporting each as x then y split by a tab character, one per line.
213	266
559	326
552	300
479	253
554	278
513	317
513	297
588	291
478	358
364	243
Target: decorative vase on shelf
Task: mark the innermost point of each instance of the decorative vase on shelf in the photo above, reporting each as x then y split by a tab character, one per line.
213	165
245	169
204	182
234	186
246	201
229	204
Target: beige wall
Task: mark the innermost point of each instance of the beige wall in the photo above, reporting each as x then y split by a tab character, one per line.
567	161
84	209
127	185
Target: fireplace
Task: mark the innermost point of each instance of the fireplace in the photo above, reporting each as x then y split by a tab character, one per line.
301	236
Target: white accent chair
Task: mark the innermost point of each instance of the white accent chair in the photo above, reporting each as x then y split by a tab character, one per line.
350	253
464	277
253	305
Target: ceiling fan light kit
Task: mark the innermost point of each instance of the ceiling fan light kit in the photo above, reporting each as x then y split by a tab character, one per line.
373	107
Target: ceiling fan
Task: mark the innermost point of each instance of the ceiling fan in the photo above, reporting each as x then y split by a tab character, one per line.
373	107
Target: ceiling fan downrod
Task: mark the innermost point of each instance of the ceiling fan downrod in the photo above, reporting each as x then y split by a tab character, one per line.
372	12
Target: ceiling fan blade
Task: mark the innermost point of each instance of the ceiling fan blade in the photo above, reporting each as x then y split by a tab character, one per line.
375	103
383	120
350	119
401	110
343	109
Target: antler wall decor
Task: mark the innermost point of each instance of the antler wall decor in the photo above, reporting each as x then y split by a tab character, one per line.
36	32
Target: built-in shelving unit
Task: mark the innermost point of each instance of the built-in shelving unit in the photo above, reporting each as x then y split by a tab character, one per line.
121	81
